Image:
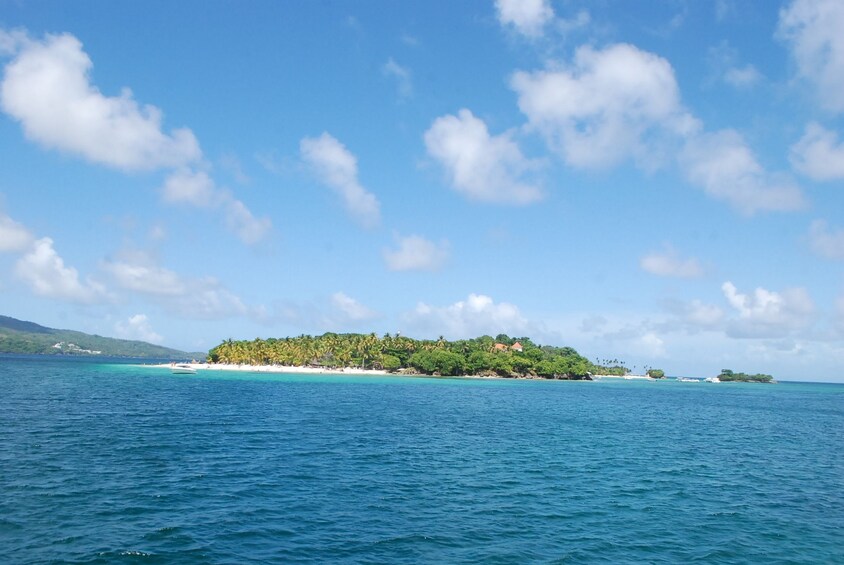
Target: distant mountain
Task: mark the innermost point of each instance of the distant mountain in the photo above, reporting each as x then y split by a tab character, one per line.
18	336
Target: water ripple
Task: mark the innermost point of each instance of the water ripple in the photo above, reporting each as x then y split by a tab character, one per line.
110	464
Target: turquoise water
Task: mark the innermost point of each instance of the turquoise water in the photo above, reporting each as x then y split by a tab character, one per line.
119	464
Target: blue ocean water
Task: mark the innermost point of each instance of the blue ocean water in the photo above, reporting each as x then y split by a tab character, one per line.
109	463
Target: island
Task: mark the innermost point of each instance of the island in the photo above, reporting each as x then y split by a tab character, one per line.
728	375
485	356
20	337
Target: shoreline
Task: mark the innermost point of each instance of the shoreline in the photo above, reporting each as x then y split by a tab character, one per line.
301	370
288	369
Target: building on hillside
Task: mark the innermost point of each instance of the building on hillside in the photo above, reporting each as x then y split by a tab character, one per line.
517	347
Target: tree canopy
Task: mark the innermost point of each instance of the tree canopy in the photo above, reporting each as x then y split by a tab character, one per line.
483	356
728	375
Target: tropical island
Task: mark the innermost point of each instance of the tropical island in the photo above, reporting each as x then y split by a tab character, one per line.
485	356
728	375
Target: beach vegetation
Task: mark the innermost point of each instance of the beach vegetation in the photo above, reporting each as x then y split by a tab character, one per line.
502	356
728	375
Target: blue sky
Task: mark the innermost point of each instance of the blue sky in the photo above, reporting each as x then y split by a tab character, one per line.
659	182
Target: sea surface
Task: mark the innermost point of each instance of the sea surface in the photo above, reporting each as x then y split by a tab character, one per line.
114	463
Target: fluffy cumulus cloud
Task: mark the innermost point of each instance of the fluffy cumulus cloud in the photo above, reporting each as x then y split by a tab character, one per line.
137	327
668	263
337	312
483	167
701	315
137	272
193	298
47	275
819	154
196	188
606	106
528	17
337	167
14	237
187	186
812	28
415	253
47	88
826	242
477	315
725	167
350	309
768	314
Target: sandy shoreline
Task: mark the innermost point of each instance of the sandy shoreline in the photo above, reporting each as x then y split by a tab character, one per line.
290	369
273	369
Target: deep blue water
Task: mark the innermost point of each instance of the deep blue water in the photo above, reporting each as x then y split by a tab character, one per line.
105	463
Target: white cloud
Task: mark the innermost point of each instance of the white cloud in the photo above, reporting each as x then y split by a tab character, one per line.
186	186
724	60
195	298
819	155
606	106
415	253
350	309
725	167
44	270
336	167
813	30
581	19
528	17
14	237
403	77
483	167
825	242
338	312
475	316
742	77
652	345
137	327
703	315
197	188
767	313
10	41
241	221
669	264
206	299
47	89
139	273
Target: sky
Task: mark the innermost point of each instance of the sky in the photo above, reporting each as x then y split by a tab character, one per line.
655	181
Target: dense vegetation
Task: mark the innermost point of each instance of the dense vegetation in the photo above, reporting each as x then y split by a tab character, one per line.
20	337
484	356
727	376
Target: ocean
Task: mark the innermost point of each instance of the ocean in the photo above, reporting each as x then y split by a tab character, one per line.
114	463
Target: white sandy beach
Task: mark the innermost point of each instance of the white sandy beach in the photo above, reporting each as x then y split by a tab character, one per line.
275	369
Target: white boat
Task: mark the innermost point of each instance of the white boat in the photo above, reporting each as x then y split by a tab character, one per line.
687	380
182	369
712	380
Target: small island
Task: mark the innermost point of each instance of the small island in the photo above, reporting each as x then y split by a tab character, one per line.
485	356
728	375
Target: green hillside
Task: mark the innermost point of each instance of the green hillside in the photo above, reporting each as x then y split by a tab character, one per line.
17	336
